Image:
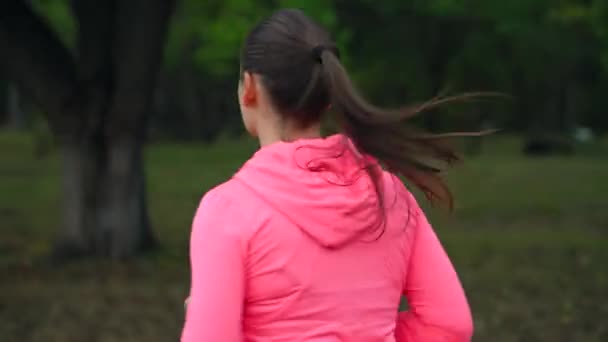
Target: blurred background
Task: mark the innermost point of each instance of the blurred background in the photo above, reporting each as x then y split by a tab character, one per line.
117	116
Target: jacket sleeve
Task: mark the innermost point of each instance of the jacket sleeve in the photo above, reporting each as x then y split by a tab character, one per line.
438	308
215	306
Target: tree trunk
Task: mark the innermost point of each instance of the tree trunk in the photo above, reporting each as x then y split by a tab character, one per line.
573	106
104	199
16	116
79	168
545	134
123	211
96	101
190	97
3	102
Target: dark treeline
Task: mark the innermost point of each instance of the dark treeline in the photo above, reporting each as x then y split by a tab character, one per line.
551	57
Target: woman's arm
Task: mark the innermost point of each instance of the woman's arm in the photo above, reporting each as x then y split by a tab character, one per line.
438	308
214	308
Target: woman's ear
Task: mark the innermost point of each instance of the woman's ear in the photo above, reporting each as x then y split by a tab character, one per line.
250	91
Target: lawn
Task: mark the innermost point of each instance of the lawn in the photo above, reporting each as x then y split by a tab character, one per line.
529	238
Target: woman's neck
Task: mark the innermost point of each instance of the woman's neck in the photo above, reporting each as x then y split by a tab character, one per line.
276	133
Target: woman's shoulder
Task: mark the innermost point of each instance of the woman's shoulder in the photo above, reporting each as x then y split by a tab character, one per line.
224	193
231	207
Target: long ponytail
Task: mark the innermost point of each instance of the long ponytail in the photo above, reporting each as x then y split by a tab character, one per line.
384	134
300	68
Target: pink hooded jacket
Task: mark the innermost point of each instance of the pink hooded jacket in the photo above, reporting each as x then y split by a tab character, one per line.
295	248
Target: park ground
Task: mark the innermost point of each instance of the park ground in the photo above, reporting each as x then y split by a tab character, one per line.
529	238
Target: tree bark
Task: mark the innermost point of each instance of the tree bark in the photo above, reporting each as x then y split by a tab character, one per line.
16	115
124	217
104	199
3	102
190	94
97	104
79	184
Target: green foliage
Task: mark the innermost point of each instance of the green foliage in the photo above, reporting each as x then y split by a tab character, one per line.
58	15
211	33
215	31
599	20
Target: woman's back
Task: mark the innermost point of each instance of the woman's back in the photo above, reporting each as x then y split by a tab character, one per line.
298	247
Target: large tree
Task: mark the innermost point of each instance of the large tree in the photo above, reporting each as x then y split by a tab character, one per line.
96	96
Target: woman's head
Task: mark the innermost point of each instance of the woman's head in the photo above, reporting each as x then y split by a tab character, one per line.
291	73
281	65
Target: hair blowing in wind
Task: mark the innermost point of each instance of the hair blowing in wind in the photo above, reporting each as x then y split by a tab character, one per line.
301	69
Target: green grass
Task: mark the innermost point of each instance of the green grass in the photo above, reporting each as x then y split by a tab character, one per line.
529	239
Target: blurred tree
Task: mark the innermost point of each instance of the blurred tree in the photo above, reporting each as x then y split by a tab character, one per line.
16	114
554	51
547	54
11	114
91	66
544	53
597	14
3	102
403	50
201	65
197	96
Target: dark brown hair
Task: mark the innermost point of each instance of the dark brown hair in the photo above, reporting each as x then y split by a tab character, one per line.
300	67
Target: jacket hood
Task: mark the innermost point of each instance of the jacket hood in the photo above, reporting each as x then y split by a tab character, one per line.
321	185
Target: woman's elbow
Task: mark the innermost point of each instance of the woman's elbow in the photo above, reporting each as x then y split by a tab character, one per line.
462	327
452	327
458	327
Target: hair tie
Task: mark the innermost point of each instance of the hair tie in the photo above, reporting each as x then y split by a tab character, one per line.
318	50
